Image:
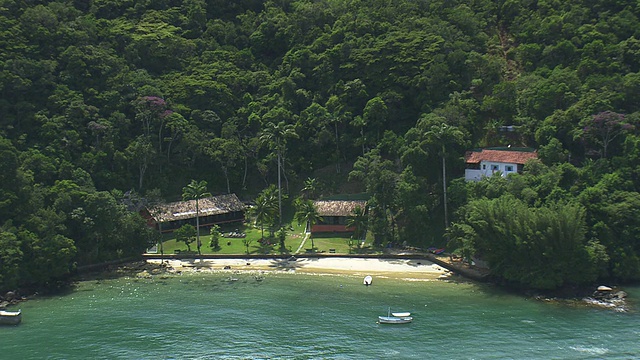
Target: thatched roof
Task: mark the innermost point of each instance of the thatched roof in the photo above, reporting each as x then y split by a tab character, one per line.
338	207
179	210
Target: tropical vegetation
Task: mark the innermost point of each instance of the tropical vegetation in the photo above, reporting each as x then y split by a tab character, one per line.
108	106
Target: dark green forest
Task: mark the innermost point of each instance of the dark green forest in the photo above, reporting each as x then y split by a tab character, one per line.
108	104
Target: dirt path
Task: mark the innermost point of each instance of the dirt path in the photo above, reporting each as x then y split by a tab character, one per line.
306	236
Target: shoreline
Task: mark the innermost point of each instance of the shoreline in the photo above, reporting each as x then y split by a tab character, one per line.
407	269
415	268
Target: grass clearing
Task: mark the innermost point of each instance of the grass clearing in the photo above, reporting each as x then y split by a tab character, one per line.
236	245
338	243
323	243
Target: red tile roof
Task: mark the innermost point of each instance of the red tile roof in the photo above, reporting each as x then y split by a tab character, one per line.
503	156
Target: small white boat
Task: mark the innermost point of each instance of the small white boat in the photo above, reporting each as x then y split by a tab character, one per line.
10	317
368	280
391	318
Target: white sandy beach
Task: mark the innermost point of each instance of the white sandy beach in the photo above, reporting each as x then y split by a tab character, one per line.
396	268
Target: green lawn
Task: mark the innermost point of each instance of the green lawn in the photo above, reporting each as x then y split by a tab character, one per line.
233	246
338	242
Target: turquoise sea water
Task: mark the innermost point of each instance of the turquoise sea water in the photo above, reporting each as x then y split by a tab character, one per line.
301	316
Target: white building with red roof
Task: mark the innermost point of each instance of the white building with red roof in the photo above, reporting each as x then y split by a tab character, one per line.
486	162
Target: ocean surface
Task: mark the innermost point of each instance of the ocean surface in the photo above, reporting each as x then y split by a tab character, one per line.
306	316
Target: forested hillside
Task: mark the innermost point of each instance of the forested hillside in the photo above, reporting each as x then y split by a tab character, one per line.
106	98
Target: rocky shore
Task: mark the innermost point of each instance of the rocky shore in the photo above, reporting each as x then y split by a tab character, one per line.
607	297
10	298
604	297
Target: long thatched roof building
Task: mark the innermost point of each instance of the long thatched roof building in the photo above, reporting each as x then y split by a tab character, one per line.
213	210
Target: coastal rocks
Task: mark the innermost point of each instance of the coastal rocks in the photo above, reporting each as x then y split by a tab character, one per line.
609	298
144	274
10	298
607	293
603	297
140	270
10	295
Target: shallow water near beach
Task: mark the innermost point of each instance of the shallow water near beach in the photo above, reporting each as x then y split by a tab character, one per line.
307	316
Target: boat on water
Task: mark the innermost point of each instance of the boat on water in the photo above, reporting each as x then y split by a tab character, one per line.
395	318
10	317
368	280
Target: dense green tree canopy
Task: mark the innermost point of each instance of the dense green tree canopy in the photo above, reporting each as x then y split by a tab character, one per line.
104	97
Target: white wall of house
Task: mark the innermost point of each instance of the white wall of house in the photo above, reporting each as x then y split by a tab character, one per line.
488	168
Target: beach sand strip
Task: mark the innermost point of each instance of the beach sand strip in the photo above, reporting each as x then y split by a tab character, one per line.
395	268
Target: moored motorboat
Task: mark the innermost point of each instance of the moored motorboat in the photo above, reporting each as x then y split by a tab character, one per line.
10	317
368	280
392	318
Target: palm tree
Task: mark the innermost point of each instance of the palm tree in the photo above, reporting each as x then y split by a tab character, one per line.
264	209
358	220
310	188
195	191
282	237
275	136
358	121
337	116
307	213
247	241
441	135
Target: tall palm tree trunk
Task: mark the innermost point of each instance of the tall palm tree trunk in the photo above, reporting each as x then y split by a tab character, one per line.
198	227
161	244
279	192
337	149
244	177
444	189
